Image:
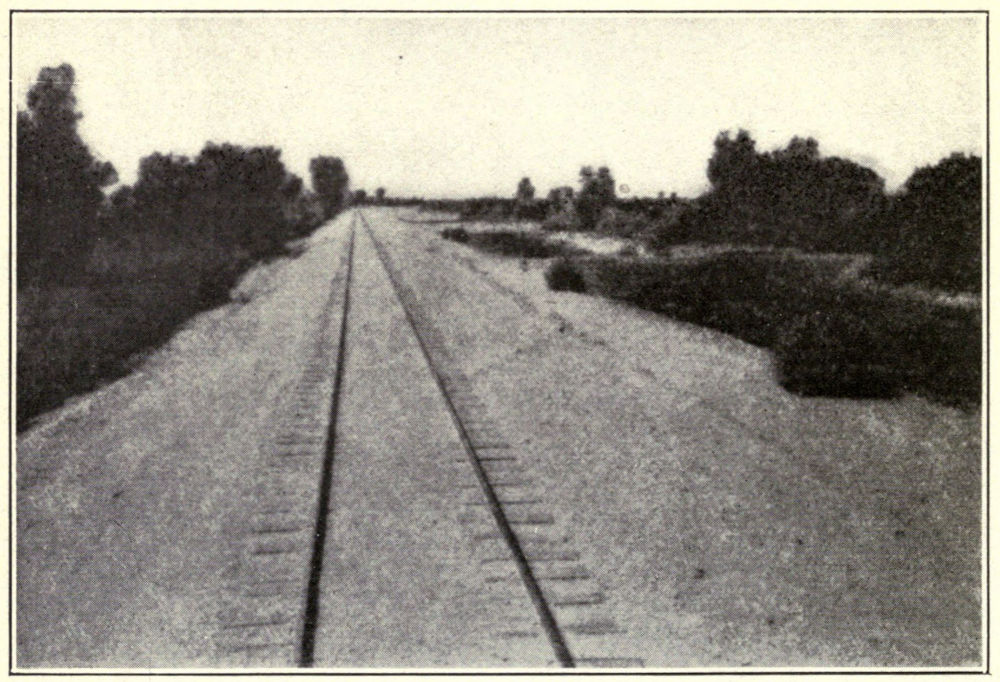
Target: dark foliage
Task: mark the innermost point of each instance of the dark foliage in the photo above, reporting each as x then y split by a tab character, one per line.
515	244
790	197
932	230
233	195
845	354
101	279
597	192
329	182
560	200
457	234
58	181
519	244
561	275
490	209
832	338
525	190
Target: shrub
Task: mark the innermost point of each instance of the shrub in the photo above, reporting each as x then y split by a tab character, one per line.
831	337
515	244
619	223
564	221
562	275
519	244
456	234
839	354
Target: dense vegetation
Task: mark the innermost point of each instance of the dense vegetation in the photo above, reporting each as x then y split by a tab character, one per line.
928	232
100	278
832	335
932	230
506	243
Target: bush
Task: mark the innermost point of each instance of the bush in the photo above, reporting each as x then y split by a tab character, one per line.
564	221
456	234
516	244
619	223
71	338
839	354
831	337
562	275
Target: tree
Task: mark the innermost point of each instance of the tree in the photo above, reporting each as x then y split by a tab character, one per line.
330	183
791	196
58	180
360	196
734	160
933	229
525	191
380	195
291	187
597	192
560	199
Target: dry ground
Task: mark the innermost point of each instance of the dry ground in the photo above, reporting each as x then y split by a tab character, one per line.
728	522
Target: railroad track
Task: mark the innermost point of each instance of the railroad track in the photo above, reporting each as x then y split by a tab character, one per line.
454	387
289	536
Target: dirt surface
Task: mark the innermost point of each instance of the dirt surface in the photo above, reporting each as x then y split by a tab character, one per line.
134	504
404	580
705	517
732	522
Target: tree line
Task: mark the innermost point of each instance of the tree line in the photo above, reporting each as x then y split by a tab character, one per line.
928	231
103	276
242	197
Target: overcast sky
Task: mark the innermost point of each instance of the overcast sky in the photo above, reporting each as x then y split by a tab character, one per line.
457	105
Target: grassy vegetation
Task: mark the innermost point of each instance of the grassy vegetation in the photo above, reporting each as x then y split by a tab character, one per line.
831	337
507	243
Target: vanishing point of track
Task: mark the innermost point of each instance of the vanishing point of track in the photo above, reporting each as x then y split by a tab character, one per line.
292	534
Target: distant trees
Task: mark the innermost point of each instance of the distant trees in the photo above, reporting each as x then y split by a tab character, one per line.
525	191
791	196
560	199
597	192
526	207
234	195
329	182
58	179
380	195
360	196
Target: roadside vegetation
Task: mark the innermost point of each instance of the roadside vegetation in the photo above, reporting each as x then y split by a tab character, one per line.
102	277
831	336
859	292
509	243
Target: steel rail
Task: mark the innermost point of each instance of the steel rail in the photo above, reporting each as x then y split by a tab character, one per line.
545	614
310	619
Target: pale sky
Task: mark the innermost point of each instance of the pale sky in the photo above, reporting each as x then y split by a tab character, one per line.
460	105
